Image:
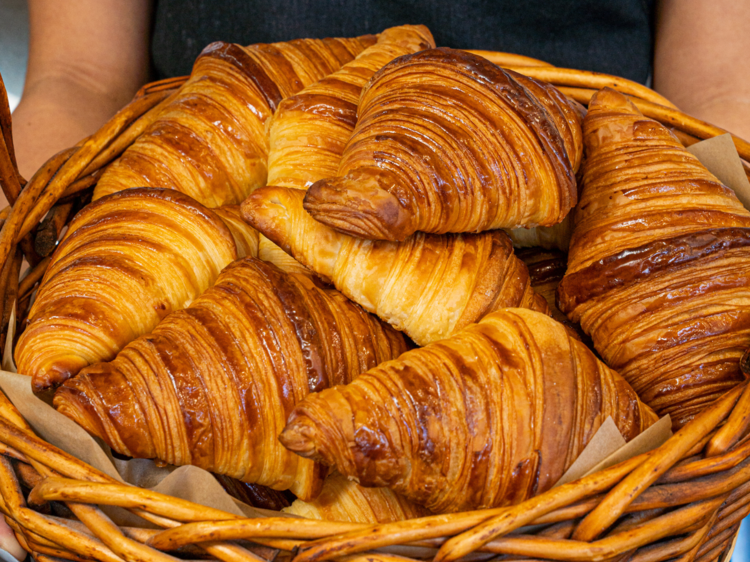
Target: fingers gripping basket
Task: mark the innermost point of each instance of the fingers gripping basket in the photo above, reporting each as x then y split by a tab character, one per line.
683	501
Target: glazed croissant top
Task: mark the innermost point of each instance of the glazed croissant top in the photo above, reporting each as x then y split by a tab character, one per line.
210	140
344	500
448	142
489	417
637	168
126	262
213	384
428	286
309	130
659	264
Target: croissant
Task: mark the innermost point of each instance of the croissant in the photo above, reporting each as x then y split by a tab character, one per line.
126	262
214	383
659	266
448	142
489	417
428	286
341	499
309	130
210	140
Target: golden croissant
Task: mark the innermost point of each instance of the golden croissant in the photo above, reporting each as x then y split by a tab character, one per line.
126	262
659	264
448	142
213	384
489	417
309	130
428	286
340	499
210	140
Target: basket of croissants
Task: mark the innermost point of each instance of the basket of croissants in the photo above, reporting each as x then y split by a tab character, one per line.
295	269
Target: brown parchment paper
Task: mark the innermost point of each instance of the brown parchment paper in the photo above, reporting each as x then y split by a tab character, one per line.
720	156
608	447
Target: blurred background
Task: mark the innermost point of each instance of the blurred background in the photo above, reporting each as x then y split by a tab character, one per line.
14	37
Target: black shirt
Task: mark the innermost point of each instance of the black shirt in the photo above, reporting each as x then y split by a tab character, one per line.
613	36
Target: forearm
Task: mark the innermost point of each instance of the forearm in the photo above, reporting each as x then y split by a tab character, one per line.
700	60
86	60
54	114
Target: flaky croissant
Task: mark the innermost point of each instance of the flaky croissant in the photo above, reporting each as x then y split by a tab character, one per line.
214	383
429	286
340	499
309	130
448	142
127	261
489	417
659	264
210	140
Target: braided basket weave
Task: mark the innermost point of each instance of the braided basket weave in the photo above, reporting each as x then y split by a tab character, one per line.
683	501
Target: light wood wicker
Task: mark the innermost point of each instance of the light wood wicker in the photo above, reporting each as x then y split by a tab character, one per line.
683	501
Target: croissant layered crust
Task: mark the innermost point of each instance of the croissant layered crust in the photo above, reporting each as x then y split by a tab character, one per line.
344	500
213	384
489	417
127	261
659	265
246	238
448	142
309	130
636	168
428	286
210	140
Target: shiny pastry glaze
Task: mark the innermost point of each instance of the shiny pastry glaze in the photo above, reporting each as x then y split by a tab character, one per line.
545	266
209	141
238	57
659	263
326	106
448	142
308	133
126	262
489	417
428	286
633	265
212	385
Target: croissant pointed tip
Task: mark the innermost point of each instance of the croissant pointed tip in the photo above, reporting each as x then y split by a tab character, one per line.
47	380
361	204
610	99
298	437
269	210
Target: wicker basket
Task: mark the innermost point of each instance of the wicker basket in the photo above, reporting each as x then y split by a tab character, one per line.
683	501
